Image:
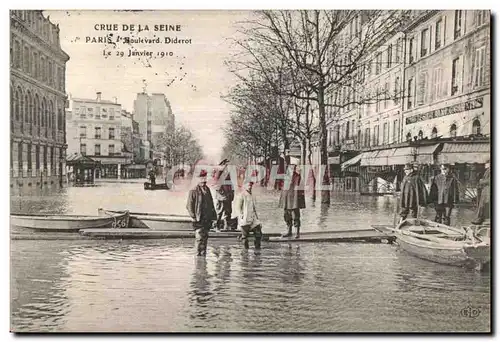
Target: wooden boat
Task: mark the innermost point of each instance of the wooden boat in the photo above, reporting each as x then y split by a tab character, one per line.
443	244
157	221
52	222
160	186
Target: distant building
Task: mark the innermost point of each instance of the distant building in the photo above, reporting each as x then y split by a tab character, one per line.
37	100
94	130
131	140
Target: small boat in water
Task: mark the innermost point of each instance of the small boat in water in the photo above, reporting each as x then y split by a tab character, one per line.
55	222
157	221
160	186
443	244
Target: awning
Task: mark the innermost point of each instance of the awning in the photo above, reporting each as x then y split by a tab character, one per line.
425	154
379	158
368	158
80	159
352	161
135	167
402	156
461	153
334	160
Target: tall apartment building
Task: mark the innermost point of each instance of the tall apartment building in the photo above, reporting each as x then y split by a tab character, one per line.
37	100
94	130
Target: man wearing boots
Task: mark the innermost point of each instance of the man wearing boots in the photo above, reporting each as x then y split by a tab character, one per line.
248	219
200	207
224	194
292	200
444	194
413	193
483	208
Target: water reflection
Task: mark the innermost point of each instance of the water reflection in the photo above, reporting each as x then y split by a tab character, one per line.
200	292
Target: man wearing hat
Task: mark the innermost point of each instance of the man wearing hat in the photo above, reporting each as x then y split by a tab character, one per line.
413	193
224	194
200	207
483	208
247	218
292	200
444	194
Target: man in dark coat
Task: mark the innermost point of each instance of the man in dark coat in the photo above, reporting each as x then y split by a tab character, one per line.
292	200
224	194
483	208
152	177
200	207
413	193
444	194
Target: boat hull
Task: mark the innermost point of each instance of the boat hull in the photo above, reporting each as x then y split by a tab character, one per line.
159	221
161	186
69	222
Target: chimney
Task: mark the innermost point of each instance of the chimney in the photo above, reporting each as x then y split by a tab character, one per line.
98	96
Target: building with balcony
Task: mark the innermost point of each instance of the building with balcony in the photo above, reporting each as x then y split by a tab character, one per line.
94	130
37	100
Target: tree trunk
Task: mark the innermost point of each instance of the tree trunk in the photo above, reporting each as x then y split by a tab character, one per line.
309	157
325	194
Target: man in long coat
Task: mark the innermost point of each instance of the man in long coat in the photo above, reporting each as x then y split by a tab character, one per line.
483	208
413	193
444	194
292	200
248	218
224	194
200	206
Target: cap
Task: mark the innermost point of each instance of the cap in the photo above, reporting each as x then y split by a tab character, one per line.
408	167
203	173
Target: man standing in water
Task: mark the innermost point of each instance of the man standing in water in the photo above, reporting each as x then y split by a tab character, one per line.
292	200
444	194
483	208
248	219
224	194
200	207
413	193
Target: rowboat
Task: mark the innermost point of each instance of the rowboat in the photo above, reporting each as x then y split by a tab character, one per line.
157	221
443	244
51	222
160	186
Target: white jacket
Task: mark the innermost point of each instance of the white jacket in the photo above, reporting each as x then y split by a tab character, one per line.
247	212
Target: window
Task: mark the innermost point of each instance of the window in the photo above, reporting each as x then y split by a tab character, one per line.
83	132
26	60
395	131
17	54
410	50
98	112
385	139
20	158
111	150
389	56
44	157
422	89
367	137
410	94
83	149
396	90
455	76
35	64
438	33
111	133
479	62
476	127
481	17
376	135
386	94
29	160
37	157
424	43
353	128
438	79
398	50
347	130
378	63
458	24
97	149
453	131
377	99
434	133
98	132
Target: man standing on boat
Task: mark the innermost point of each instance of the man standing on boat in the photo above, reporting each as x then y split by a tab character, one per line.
200	207
483	208
248	219
444	194
224	194
292	200
413	193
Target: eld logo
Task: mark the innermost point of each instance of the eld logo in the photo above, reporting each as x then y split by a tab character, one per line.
470	312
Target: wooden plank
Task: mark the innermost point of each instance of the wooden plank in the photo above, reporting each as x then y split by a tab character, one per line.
370	235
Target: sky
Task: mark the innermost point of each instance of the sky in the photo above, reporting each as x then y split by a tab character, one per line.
192	79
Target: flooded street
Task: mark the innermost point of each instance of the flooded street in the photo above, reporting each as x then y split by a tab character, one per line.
160	286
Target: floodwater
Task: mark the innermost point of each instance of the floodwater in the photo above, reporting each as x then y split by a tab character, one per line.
160	286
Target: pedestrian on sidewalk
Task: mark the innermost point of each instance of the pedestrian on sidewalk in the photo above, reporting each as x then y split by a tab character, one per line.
200	207
248	219
224	194
152	177
483	208
444	193
413	193
292	200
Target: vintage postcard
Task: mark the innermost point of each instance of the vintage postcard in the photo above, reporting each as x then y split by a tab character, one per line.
250	171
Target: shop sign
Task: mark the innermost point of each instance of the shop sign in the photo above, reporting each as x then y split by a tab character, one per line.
458	108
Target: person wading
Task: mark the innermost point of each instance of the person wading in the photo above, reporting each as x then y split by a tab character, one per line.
224	194
292	200
200	207
444	194
413	193
483	208
248	219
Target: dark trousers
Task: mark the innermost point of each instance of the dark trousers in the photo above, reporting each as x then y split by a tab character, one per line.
292	216
405	211
224	211
443	213
257	233
153	181
201	230
483	211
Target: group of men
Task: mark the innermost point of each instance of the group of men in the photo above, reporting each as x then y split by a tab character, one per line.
444	194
